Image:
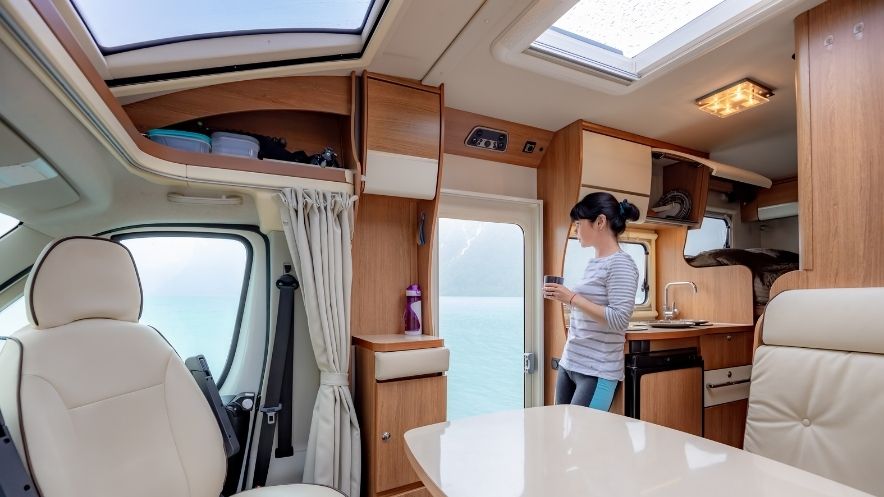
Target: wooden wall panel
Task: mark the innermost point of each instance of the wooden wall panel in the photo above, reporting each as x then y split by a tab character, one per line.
726	423
724	292
841	156
330	94
402	119
384	263
459	123
558	185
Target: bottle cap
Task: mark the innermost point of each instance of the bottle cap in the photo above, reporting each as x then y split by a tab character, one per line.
413	291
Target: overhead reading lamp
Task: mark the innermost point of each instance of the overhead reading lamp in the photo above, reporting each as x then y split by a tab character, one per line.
735	98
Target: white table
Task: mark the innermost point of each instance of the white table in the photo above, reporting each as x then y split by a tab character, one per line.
563	451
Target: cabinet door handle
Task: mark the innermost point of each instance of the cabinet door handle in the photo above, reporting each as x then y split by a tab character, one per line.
730	337
712	386
385	436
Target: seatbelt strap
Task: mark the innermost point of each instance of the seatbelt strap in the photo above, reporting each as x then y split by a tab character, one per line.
273	395
14	478
284	419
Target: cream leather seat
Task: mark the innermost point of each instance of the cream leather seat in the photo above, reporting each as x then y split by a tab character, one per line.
817	394
107	408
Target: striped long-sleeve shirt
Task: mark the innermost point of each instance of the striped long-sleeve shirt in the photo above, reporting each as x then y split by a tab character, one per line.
593	348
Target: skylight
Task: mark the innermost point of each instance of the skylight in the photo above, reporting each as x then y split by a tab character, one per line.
7	224
628	27
119	26
624	40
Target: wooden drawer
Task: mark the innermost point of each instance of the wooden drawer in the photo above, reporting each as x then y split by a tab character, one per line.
726	423
401	406
726	350
414	492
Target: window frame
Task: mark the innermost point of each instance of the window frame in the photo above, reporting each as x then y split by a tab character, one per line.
11	230
214	35
648	239
728	219
244	289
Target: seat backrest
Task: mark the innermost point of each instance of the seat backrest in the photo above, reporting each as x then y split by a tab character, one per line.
105	406
816	400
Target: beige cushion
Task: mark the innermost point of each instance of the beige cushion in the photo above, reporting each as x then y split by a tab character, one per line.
109	409
406	363
827	318
299	490
818	409
80	278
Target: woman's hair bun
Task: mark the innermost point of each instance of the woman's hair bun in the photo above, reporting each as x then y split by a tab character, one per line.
629	211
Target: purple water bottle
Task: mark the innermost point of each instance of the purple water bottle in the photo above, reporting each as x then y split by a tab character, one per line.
412	317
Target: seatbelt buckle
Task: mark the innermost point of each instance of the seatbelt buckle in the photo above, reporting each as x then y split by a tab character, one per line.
270	412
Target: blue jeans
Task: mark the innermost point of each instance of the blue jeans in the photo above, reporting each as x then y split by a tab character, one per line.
584	390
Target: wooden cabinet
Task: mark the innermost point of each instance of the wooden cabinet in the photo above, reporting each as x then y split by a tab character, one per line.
402	130
726	350
388	408
782	192
726	423
673	399
401	406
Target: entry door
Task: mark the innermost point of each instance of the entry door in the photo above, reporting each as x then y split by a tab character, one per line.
488	286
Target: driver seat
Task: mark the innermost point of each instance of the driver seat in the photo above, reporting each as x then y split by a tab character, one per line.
100	405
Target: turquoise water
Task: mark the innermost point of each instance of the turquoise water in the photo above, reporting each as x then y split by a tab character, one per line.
486	337
195	325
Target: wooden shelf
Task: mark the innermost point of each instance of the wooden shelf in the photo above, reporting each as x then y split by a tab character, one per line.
396	342
308	113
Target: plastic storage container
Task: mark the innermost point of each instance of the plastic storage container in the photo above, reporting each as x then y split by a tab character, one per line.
182	140
234	144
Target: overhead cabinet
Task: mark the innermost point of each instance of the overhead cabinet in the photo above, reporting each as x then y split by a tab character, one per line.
620	167
402	126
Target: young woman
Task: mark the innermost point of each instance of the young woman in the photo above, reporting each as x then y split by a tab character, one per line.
601	304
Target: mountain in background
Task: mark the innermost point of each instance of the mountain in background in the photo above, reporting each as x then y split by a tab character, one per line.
480	259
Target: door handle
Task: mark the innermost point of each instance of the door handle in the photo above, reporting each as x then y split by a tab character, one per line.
529	362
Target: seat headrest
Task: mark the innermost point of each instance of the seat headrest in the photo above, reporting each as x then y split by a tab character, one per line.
83	277
828	318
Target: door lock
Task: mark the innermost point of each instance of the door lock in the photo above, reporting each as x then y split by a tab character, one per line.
529	362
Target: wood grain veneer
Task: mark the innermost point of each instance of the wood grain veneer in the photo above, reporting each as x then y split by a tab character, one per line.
726	423
724	292
662	392
460	123
841	154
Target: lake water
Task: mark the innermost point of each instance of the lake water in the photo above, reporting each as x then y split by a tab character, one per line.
486	336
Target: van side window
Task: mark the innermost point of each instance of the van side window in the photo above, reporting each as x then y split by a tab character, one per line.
714	233
7	224
194	289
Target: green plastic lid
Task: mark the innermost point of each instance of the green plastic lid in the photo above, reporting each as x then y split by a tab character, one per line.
179	134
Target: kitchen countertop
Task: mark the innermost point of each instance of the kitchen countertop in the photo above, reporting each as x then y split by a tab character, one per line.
690	332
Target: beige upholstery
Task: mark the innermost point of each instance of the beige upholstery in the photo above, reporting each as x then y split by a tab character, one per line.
405	363
102	283
814	402
107	407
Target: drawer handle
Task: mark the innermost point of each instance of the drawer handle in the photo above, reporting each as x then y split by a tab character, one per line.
730	337
712	386
385	436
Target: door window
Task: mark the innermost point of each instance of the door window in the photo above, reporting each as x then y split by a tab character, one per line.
482	314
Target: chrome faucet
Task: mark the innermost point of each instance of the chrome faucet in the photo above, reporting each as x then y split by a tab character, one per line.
669	310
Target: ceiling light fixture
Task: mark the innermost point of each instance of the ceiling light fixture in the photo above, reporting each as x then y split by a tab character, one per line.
734	98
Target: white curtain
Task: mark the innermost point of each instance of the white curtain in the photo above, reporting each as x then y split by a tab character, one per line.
319	230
